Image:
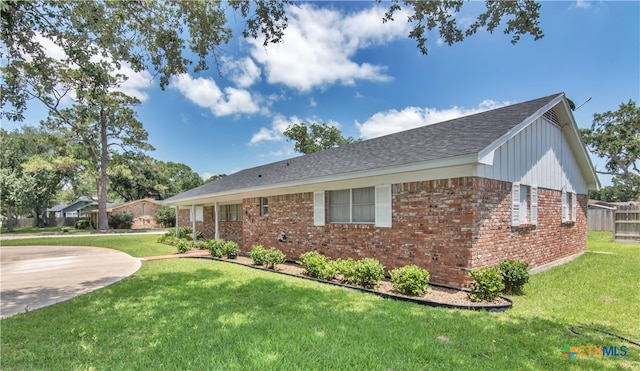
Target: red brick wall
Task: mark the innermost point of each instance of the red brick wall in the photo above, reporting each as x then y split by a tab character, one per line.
546	242
142	214
231	231
447	226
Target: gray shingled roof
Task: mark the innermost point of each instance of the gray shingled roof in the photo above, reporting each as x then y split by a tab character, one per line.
462	136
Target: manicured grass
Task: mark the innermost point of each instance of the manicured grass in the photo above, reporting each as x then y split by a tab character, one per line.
70	230
202	314
135	245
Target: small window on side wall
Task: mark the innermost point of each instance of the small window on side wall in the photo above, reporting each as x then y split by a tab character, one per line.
264	206
524	204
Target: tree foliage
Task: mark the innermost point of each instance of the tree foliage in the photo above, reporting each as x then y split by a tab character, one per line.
615	137
316	137
33	166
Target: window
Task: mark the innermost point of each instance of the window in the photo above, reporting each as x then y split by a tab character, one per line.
352	205
230	213
222	213
264	206
569	206
524	204
234	212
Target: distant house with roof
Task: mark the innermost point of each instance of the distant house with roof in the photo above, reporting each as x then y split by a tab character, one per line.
142	211
449	197
79	208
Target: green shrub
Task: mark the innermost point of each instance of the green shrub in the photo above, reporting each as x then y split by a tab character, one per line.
515	274
273	257
231	249
487	284
165	216
121	220
257	254
183	245
187	233
163	238
368	273
200	245
346	269
65	229
316	265
83	224
410	280
216	247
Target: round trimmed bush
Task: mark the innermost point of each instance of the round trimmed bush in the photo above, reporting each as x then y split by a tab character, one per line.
316	265
410	280
231	249
216	247
368	273
487	284
273	257
257	254
515	274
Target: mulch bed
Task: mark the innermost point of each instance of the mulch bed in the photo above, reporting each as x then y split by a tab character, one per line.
435	296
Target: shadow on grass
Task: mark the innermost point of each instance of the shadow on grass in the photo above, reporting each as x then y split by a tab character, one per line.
212	316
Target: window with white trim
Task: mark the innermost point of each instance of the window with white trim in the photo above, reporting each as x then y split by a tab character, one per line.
524	204
264	206
569	206
355	205
230	213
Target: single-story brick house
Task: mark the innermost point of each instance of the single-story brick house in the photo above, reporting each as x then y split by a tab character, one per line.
80	208
506	183
142	211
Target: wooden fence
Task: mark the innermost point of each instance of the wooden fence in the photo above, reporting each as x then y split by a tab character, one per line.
600	219
52	222
627	223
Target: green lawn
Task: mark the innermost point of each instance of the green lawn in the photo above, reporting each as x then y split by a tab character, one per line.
202	314
135	245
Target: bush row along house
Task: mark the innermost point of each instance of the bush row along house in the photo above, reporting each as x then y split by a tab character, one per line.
449	197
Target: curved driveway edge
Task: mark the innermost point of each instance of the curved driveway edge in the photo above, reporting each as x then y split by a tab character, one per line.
33	277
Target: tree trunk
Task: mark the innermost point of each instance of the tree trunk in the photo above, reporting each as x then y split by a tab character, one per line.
9	218
103	222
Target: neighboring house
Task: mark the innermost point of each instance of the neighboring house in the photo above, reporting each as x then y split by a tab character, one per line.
77	209
466	193
142	211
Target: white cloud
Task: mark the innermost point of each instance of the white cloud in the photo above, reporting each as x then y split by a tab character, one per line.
392	121
205	93
582	4
319	45
243	73
274	134
134	85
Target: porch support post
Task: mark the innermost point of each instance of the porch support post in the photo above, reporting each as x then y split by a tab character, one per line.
215	220
193	222
177	219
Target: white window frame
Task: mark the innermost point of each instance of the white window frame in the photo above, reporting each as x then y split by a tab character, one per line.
351	207
264	206
524	204
199	211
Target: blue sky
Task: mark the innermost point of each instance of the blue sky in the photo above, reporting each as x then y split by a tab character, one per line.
339	64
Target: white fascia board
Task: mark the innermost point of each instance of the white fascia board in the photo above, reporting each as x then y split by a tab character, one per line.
580	149
449	167
486	154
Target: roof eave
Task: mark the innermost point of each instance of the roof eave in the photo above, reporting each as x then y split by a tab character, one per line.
468	159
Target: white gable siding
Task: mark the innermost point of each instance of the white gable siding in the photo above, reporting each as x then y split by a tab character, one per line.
539	155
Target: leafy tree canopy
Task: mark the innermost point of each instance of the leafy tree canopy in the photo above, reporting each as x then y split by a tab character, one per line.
316	137
615	137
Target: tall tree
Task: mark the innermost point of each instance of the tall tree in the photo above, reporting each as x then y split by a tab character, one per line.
318	138
101	126
615	137
34	165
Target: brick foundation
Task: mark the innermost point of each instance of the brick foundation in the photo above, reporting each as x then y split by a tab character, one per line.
447	226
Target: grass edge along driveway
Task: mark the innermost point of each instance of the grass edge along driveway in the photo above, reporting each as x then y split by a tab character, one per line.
201	314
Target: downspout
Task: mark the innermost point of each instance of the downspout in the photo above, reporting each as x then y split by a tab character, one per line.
215	220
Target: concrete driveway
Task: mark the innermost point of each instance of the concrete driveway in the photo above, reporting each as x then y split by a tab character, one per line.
33	277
